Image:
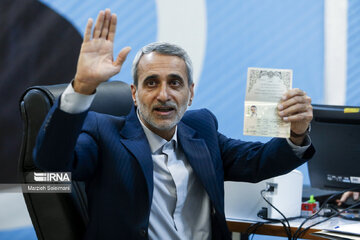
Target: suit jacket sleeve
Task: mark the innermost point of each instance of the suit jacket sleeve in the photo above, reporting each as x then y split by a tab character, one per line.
256	161
65	143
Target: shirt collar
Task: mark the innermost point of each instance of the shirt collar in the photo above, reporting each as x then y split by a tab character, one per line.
155	141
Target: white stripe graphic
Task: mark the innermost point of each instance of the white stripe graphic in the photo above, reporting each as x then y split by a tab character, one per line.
335	51
184	23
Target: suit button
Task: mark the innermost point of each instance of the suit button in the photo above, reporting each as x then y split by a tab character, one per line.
143	232
213	211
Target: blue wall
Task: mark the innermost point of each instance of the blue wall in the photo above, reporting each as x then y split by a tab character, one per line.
240	34
353	57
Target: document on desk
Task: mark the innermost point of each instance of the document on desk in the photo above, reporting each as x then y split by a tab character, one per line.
345	231
264	90
335	235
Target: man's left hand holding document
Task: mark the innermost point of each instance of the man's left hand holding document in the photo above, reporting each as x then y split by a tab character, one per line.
273	108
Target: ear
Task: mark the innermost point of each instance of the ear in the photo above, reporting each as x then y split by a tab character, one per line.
133	93
191	87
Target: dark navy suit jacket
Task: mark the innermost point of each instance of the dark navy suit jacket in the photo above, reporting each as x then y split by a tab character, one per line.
113	157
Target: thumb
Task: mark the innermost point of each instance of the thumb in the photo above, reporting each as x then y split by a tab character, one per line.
122	56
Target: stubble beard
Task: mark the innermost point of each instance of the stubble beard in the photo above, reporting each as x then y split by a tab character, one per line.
146	114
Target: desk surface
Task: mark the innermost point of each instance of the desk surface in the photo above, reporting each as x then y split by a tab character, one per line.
278	230
268	229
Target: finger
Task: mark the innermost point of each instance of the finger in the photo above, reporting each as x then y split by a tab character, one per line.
338	202
98	24
87	34
112	28
293	92
345	196
105	28
296	108
307	117
122	56
293	101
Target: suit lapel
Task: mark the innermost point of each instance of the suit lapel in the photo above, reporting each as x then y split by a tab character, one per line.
136	142
199	157
195	149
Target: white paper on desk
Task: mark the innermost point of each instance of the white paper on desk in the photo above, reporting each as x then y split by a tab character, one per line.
353	228
335	235
264	89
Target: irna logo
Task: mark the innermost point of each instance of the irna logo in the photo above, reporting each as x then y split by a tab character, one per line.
52	177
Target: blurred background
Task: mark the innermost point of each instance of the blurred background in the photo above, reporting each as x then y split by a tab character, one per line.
40	41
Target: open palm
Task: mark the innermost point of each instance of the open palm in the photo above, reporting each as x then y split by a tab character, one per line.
96	63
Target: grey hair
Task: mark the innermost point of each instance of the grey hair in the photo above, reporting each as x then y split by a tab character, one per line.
166	49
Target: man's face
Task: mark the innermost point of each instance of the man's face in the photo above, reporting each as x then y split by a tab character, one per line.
163	92
253	109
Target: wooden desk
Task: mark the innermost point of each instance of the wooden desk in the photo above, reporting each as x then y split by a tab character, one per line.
268	229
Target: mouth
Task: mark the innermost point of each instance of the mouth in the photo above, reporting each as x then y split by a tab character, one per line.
164	110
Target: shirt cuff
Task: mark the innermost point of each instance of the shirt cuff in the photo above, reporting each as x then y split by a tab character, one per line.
73	102
300	150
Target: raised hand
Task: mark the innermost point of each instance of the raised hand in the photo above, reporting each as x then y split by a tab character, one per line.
295	107
96	63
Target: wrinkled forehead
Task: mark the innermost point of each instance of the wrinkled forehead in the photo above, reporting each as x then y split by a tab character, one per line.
154	59
156	63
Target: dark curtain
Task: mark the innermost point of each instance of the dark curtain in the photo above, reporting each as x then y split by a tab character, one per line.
37	47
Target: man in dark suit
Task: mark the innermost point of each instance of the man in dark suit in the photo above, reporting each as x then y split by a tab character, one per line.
157	173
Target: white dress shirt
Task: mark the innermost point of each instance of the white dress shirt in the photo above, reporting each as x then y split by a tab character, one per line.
180	206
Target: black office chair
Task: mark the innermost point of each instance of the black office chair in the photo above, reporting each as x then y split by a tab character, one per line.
61	215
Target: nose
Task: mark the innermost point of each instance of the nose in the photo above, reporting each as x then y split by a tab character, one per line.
163	95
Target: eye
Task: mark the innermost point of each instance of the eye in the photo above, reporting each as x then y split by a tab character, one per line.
175	82
150	83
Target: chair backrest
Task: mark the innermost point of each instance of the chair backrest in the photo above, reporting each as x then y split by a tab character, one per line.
61	215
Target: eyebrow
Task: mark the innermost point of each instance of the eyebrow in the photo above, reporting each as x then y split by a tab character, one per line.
154	76
176	76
